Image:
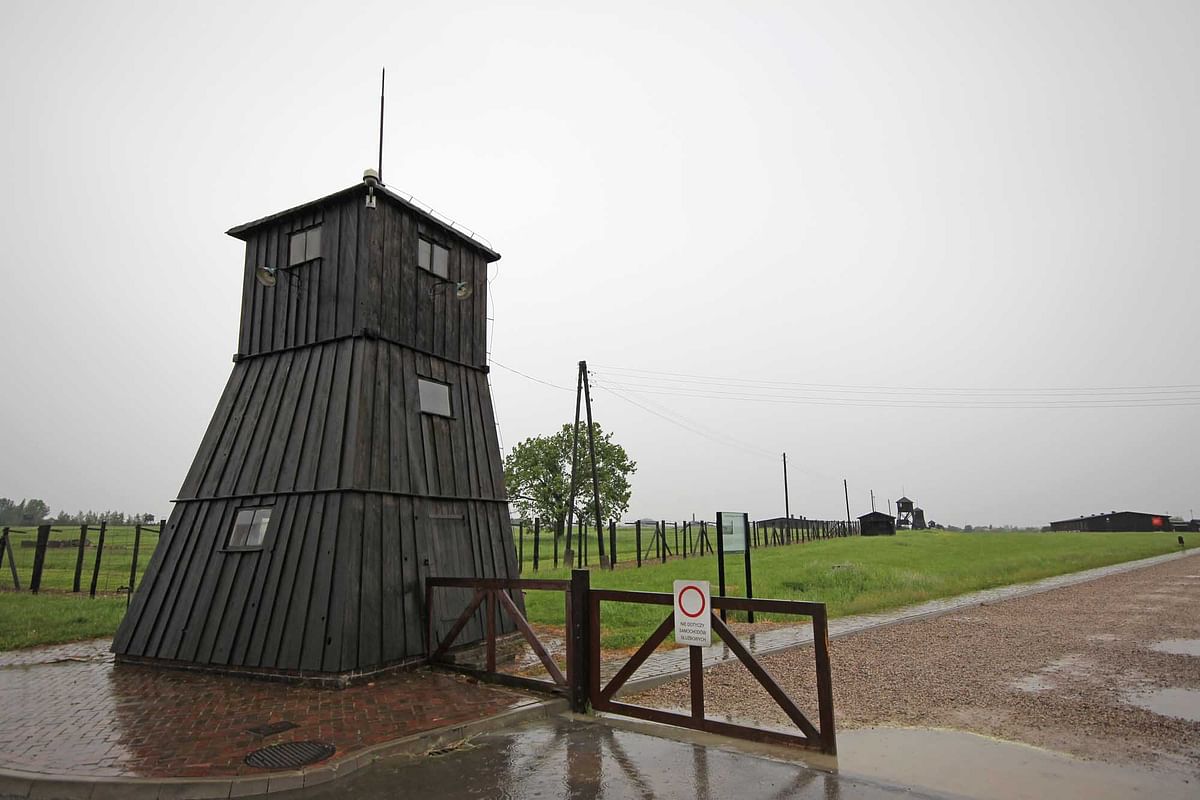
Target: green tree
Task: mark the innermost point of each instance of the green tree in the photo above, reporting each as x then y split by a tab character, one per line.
537	474
27	512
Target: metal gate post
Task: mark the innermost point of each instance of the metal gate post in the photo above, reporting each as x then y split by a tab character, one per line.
580	666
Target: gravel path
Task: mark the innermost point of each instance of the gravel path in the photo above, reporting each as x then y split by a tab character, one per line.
1054	670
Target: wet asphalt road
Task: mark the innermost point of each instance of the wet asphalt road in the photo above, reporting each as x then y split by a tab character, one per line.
557	759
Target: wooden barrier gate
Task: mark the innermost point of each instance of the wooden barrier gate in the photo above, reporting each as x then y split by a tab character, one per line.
582	681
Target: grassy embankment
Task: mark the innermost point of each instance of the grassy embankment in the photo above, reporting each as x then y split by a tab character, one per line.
32	619
57	615
861	575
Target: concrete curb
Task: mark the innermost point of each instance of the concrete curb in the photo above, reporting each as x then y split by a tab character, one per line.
42	786
919	612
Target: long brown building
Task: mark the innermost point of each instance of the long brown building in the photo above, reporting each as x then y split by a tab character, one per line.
352	454
1115	521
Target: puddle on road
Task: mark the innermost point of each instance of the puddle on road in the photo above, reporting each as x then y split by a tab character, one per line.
1179	703
1074	665
1034	683
991	769
1179	647
1158	597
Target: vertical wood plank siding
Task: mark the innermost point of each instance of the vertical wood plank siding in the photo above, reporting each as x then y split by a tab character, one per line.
320	420
365	279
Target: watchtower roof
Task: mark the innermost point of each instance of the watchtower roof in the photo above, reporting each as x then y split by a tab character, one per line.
451	227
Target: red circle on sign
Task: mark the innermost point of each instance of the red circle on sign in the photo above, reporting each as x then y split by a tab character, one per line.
684	591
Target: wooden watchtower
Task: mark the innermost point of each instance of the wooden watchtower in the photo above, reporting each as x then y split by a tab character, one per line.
352	454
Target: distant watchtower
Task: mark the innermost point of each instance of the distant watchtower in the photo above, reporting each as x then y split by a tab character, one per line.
352	454
904	513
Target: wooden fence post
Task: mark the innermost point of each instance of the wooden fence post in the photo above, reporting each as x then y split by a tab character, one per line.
39	558
578	667
612	544
99	555
137	543
83	532
6	549
521	547
537	536
637	533
820	628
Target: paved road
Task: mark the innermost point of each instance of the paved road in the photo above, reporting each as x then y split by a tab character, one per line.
558	758
666	665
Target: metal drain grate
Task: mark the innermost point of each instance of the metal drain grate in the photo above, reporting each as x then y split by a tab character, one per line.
289	755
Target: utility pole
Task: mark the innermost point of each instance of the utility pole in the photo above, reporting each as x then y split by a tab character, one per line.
846	490
587	397
787	511
574	459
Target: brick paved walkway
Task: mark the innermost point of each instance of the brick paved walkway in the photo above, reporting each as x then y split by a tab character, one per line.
70	710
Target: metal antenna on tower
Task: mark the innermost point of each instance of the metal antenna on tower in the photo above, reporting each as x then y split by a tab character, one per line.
382	84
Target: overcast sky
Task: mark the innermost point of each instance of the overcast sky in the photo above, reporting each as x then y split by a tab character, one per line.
919	245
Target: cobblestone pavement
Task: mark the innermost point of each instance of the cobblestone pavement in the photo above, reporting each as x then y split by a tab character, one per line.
70	710
670	664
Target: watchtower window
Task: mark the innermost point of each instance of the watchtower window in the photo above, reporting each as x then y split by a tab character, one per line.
249	528
434	397
304	246
433	257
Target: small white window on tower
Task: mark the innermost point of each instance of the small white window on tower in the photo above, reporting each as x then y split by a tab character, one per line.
433	257
434	397
304	246
249	529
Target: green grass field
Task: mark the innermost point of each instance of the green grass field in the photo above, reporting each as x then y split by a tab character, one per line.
57	615
59	570
853	576
28	619
859	575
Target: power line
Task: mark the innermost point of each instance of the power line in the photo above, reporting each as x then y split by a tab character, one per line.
795	393
689	378
898	402
529	377
693	427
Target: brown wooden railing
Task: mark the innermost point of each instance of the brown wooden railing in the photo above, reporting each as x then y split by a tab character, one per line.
581	682
497	594
602	696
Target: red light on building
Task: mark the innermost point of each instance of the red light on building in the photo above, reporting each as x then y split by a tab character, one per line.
1156	522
